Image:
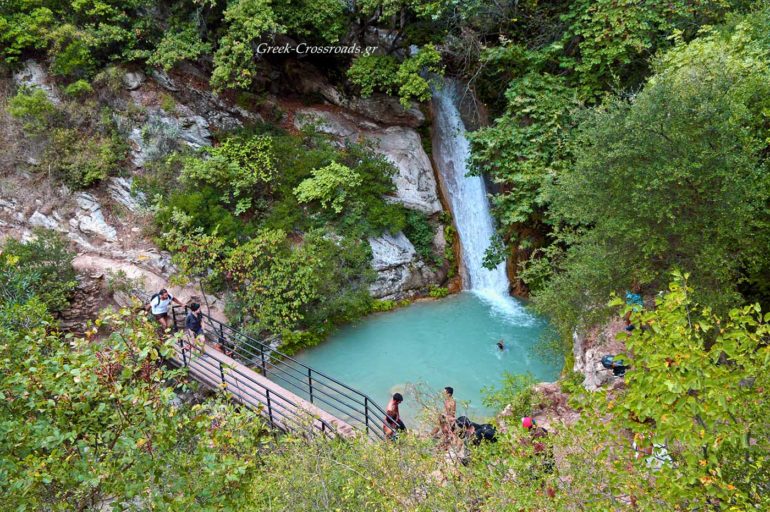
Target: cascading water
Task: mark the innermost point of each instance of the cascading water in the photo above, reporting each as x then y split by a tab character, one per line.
470	207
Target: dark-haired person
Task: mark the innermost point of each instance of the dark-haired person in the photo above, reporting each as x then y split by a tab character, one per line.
159	305
450	410
193	323
392	423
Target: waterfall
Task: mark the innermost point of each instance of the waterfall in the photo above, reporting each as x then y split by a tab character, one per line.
469	204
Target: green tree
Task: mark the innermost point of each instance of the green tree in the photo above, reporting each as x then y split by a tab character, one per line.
673	178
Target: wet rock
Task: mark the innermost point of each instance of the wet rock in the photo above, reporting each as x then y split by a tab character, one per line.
120	191
89	219
33	75
133	80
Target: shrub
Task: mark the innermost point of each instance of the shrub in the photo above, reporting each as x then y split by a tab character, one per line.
33	107
41	267
82	161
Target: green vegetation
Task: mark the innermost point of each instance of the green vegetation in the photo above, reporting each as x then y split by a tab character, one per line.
82	146
90	421
280	222
40	268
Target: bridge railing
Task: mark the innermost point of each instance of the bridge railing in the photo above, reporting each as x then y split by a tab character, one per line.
325	392
280	411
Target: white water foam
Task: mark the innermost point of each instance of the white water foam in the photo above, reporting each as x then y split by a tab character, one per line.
470	207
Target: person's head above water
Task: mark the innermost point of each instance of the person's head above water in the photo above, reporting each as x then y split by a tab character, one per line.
500	344
398	398
449	390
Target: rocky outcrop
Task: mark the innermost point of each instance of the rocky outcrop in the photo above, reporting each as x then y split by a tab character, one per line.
415	181
33	75
121	191
400	273
307	80
588	350
90	220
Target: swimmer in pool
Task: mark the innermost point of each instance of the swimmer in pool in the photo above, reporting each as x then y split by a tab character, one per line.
501	345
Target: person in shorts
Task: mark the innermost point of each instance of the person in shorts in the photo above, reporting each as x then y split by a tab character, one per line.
159	305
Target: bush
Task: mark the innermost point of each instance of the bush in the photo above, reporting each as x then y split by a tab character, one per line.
41	267
82	161
516	391
33	107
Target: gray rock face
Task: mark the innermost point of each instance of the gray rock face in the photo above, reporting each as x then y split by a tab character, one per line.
390	251
415	182
120	191
162	133
89	218
588	350
40	220
399	272
33	75
133	80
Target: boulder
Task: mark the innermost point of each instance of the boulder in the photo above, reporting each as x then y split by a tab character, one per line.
33	75
133	80
588	350
390	251
89	218
400	273
162	133
40	220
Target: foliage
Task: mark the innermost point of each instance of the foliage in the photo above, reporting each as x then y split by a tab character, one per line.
699	385
87	421
525	149
438	292
383	73
182	41
78	88
81	162
420	232
674	178
77	36
34	108
329	185
40	267
515	391
617	38
243	167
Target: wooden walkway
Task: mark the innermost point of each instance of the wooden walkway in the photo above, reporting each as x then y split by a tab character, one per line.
279	406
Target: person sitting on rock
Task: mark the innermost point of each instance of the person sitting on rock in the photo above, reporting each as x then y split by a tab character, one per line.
159	305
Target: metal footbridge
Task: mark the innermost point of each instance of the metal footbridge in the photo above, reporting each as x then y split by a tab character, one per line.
291	396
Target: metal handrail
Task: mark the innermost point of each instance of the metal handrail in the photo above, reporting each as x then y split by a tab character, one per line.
216	371
315	385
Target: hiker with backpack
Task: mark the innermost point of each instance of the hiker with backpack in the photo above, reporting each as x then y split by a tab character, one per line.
159	305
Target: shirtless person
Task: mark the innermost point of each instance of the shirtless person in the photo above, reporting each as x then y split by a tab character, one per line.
450	411
392	423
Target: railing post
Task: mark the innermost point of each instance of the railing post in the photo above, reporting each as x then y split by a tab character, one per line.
222	373
269	407
173	316
184	356
310	383
262	352
366	414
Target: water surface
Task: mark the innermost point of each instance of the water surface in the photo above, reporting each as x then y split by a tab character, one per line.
447	342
